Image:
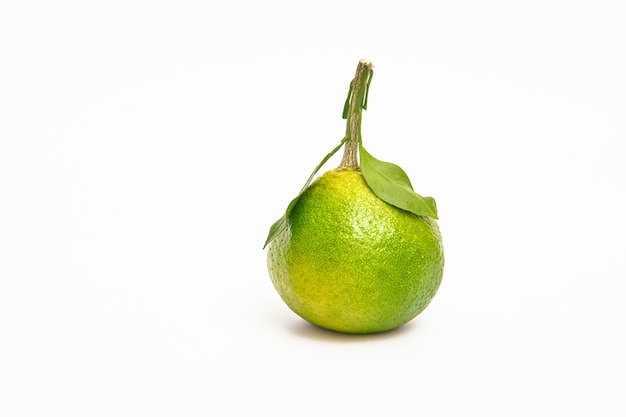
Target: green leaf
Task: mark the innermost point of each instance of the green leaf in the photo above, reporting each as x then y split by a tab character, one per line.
391	184
278	226
281	224
346	106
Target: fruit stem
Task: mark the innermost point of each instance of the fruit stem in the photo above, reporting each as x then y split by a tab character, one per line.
352	112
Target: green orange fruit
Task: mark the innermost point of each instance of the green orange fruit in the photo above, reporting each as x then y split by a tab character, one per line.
351	262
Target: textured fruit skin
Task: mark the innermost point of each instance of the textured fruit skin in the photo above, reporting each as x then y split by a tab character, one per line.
352	263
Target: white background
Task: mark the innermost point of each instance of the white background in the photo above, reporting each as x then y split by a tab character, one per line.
147	146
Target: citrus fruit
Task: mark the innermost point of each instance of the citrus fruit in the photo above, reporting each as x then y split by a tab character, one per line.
357	250
351	262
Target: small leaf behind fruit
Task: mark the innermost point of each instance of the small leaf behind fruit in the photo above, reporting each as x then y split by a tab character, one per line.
391	184
281	224
278	226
